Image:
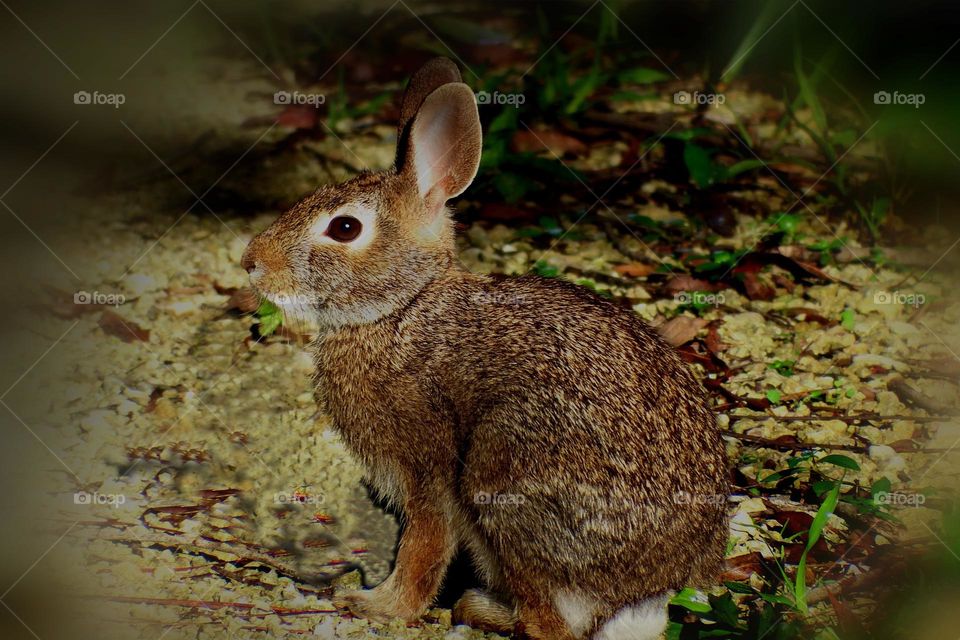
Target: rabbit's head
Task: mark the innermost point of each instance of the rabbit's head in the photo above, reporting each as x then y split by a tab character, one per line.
352	253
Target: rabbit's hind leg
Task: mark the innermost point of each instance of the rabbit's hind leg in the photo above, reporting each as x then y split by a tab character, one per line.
540	620
482	611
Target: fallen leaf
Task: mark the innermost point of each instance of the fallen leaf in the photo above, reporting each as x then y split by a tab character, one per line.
740	568
299	117
714	344
555	142
114	324
681	330
681	283
634	269
756	289
501	212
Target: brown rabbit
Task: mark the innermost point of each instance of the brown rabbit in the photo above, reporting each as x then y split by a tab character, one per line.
550	432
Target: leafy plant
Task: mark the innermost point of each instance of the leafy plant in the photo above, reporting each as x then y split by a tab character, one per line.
339	108
848	319
816	530
270	318
874	216
544	269
705	172
783	367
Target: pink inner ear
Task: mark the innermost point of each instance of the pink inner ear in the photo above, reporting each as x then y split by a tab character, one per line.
444	145
433	154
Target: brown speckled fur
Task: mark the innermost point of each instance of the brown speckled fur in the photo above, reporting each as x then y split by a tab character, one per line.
448	385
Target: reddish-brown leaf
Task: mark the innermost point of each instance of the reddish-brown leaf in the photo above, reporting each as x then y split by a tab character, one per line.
501	212
683	282
554	142
299	117
681	329
635	269
115	325
714	344
740	568
756	289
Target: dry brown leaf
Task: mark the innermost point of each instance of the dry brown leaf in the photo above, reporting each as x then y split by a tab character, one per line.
115	325
554	142
635	269
681	330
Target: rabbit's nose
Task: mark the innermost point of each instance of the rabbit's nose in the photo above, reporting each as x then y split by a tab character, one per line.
247	262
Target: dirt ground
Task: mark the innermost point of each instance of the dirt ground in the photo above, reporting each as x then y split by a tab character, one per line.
197	492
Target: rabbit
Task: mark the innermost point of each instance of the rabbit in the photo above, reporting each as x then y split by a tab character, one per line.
546	430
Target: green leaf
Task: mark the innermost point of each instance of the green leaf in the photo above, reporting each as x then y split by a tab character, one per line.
270	317
512	186
820	487
545	269
848	319
883	485
692	600
583	88
774	395
739	587
506	120
674	630
787	223
776	599
809	96
703	171
841	461
641	75
783	367
725	610
816	530
779	475
739	167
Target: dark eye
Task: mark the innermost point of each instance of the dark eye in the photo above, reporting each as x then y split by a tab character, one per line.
344	228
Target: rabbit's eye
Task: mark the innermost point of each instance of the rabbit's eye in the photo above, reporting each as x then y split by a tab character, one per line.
344	228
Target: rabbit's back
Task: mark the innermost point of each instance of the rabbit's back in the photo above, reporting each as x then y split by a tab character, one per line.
589	448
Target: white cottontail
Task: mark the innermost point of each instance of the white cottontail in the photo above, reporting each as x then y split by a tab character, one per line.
550	432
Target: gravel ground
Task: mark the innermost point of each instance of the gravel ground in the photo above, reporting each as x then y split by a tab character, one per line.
202	495
232	491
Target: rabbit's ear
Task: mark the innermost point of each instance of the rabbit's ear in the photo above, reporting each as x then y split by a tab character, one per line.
434	74
442	154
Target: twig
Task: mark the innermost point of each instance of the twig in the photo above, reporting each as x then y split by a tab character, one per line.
849	418
214	604
909	395
205	546
786	445
792	446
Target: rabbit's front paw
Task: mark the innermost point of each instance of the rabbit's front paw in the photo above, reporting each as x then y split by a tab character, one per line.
381	605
